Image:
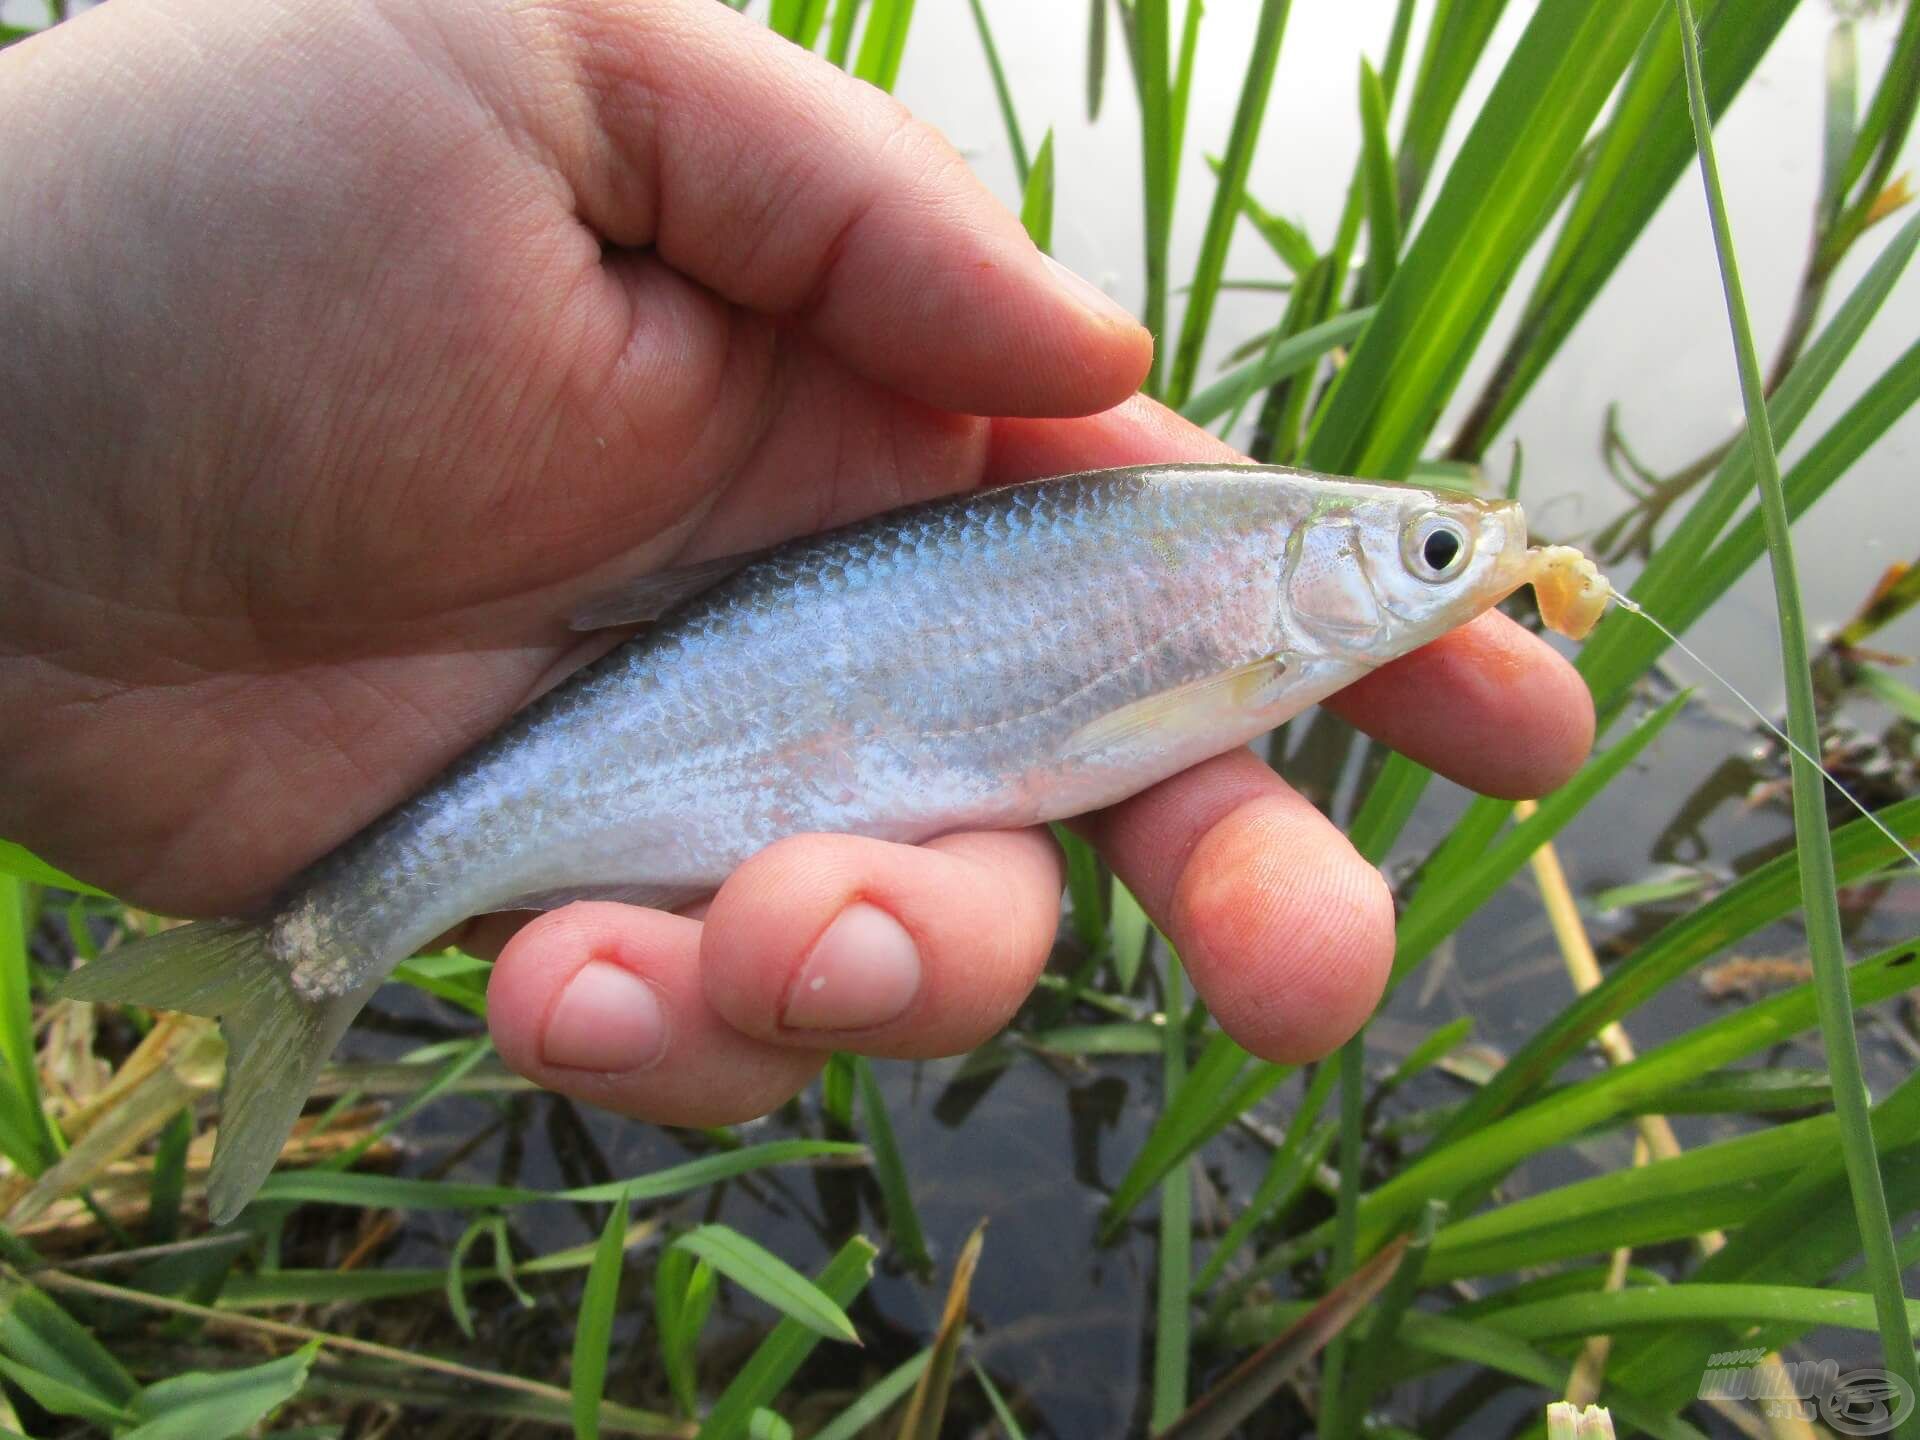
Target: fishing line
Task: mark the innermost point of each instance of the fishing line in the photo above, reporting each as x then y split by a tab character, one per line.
1874	820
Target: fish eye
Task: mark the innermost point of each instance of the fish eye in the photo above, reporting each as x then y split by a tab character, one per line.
1437	548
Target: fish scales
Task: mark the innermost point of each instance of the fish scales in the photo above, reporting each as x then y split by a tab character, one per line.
897	678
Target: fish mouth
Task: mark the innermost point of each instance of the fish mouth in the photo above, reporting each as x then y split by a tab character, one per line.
1503	531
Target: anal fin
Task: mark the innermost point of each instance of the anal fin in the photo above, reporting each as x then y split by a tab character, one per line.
1243	688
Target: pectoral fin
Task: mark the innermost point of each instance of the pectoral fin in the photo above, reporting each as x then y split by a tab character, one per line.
647	597
1246	687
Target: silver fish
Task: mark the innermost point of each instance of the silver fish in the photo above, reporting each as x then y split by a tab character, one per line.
991	660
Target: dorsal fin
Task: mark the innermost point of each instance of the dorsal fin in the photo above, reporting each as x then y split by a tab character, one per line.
646	598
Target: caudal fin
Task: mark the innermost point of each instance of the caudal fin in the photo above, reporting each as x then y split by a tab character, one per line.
277	1039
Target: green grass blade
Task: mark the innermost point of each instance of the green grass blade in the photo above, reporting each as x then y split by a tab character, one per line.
401	1192
1219	1413
1383	207
1172	1340
1336	1421
879	1398
36	1332
840	36
1758	899
59	1398
1607	1097
683	1291
884	42
1609	1311
18	861
1709	1187
890	1171
1152	57
1015	141
786	1348
1373	1369
201	1405
1088	907
1254	90
1286	239
593	1331
1288	1172
1178	1129
1288	357
1495	198
1456	38
1096	56
760	1272
25	1136
1641	155
1821	905
1001	1411
1129	930
1443	903
1036	203
1883	133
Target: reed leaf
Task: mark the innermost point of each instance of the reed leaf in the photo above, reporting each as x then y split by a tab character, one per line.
1820	904
1512	165
1238	159
774	1361
1641	155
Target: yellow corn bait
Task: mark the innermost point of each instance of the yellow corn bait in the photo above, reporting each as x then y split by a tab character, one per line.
1572	594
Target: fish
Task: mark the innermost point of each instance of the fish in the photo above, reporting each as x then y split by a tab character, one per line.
994	659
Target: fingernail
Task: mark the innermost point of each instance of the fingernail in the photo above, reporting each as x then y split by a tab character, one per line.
1090	295
607	1019
863	972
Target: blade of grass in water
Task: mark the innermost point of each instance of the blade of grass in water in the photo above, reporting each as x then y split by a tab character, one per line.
1757	899
880	1397
760	1272
890	1170
1005	96
593	1333
24	1133
1172	1340
1822	908
403	1192
1254	90
786	1348
1336	1422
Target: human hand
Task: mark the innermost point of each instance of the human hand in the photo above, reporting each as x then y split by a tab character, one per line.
359	345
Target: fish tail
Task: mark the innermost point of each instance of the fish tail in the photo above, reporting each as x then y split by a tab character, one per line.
277	1038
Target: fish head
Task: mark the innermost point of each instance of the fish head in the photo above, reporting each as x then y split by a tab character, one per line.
1379	570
